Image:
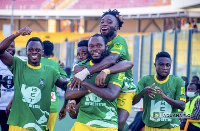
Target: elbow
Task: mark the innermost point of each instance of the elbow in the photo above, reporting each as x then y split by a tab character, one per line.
112	98
131	64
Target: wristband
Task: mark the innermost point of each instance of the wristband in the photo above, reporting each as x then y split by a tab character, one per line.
82	74
73	102
107	71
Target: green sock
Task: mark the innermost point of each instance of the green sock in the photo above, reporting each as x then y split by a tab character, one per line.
126	126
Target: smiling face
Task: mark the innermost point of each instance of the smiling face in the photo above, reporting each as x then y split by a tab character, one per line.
82	53
108	26
96	48
163	66
34	52
11	48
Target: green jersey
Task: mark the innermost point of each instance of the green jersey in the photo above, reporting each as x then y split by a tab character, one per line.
119	46
31	102
96	111
54	96
157	112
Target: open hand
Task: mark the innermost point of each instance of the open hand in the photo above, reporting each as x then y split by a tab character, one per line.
150	91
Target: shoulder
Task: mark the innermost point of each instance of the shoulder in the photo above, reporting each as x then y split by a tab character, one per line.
176	78
147	77
86	62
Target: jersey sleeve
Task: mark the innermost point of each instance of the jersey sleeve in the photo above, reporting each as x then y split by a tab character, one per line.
117	79
62	72
140	85
180	90
17	62
119	47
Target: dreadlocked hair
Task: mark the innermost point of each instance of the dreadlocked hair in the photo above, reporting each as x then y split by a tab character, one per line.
116	14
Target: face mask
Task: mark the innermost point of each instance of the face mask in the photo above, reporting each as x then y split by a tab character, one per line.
190	94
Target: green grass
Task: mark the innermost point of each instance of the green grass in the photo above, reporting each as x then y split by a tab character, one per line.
65	124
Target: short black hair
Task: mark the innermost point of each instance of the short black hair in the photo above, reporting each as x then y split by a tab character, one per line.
196	77
34	39
100	35
83	43
48	47
162	54
116	14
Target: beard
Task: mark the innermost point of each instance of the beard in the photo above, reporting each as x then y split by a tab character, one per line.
110	33
99	59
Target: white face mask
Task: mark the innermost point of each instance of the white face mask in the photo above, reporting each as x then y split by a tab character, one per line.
190	94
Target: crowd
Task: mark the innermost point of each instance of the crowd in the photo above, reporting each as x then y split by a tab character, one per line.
101	91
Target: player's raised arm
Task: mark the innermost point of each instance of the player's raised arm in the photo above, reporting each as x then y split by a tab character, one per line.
4	55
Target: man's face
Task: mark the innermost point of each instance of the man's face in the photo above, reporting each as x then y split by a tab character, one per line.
163	66
96	49
82	53
34	52
11	49
108	25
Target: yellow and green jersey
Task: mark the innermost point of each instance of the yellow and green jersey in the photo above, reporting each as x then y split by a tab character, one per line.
157	112
96	111
119	46
31	103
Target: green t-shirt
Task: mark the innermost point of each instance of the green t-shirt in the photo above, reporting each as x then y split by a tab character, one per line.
31	102
119	46
96	111
54	96
157	111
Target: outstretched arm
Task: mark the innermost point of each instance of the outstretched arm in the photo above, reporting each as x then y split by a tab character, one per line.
4	55
105	63
74	94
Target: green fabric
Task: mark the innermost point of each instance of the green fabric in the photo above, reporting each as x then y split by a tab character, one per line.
126	126
54	95
189	106
31	102
97	112
155	108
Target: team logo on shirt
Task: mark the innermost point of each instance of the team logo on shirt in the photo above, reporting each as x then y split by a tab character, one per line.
8	82
121	77
117	46
41	82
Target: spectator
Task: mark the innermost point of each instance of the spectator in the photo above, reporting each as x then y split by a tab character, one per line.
192	107
6	89
137	124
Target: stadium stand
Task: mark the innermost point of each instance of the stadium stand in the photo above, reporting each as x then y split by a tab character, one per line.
22	4
85	4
